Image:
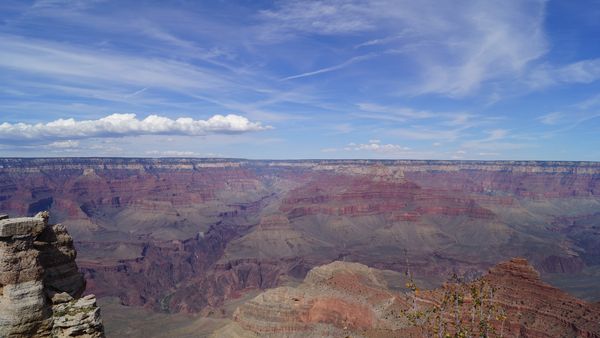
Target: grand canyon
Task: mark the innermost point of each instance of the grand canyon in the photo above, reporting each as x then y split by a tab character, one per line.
299	168
191	242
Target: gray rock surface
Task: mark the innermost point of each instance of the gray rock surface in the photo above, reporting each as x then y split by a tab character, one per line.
23	226
77	318
40	285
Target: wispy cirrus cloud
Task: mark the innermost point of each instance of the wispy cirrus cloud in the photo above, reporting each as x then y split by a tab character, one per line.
119	125
584	71
81	65
424	125
436	77
314	17
496	140
551	118
402	112
342	65
384	40
591	102
452	55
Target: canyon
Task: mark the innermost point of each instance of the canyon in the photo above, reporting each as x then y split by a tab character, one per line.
189	236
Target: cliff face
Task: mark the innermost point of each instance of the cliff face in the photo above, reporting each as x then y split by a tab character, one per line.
188	234
40	285
538	309
347	299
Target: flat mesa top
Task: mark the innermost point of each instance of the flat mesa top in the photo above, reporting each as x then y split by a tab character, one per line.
20	226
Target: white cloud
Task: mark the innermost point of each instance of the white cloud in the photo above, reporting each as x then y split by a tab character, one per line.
552	118
497	134
377	147
403	112
585	71
316	17
172	153
126	125
63	144
480	41
488	154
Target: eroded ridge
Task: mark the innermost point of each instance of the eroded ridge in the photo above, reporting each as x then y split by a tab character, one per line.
343	299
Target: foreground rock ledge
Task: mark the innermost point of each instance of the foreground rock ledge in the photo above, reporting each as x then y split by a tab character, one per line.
40	284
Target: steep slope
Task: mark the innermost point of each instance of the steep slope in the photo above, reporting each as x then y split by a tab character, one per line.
543	309
349	299
40	285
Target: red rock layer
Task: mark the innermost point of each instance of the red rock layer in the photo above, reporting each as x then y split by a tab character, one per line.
350	299
544	311
185	234
345	195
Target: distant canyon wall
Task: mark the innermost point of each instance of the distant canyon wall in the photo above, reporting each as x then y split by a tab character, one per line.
185	234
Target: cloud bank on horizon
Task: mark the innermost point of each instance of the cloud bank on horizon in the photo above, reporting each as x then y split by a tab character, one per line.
301	79
126	125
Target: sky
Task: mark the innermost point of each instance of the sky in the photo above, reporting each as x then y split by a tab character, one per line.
380	79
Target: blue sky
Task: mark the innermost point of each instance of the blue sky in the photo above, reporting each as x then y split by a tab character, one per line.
301	79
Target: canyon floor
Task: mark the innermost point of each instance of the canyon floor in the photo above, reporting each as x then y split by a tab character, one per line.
163	242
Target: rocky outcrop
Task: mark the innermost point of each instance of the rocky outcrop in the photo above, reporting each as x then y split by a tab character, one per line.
349	299
77	318
40	285
538	309
334	300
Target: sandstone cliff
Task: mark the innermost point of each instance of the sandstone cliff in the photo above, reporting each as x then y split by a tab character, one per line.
40	285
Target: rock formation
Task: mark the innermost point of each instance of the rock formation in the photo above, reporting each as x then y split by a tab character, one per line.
40	285
334	300
348	299
537	309
188	234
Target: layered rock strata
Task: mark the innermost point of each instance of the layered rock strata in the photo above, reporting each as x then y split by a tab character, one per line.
40	285
189	234
349	299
